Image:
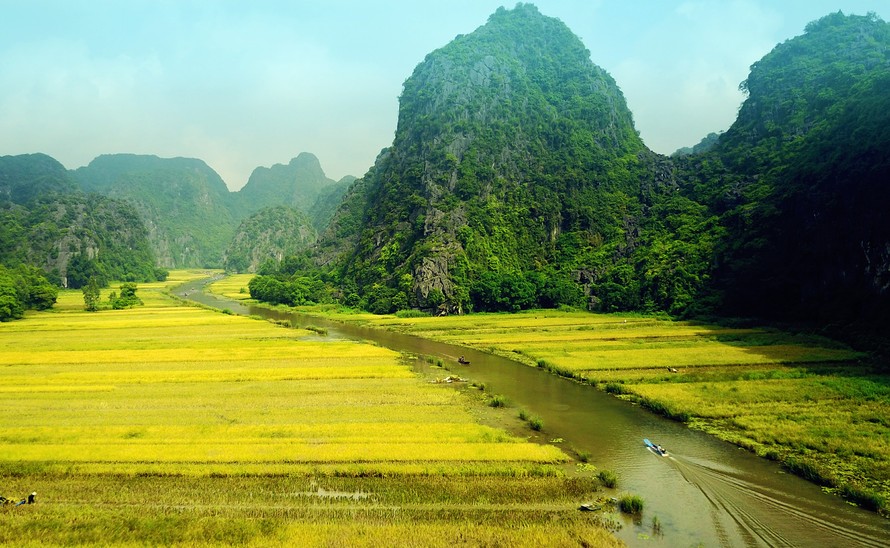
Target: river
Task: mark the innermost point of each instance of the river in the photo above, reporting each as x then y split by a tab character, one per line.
705	493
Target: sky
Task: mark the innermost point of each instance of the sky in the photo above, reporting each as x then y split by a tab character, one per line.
241	84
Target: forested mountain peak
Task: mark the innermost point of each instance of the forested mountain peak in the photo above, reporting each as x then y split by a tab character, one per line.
185	204
521	69
792	88
511	148
803	180
26	177
112	171
296	184
47	222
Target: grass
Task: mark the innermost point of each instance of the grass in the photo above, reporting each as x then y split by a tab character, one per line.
608	478
630	504
170	424
288	510
789	397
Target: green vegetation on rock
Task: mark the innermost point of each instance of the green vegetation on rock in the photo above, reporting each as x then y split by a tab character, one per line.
184	204
515	160
69	236
269	234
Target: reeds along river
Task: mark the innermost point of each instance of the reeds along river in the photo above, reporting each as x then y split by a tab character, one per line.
706	492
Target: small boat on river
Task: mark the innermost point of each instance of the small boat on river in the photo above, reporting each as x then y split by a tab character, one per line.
463	361
657	449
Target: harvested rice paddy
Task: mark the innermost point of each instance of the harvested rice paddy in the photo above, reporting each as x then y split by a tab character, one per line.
171	424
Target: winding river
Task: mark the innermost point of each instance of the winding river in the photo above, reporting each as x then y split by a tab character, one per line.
705	493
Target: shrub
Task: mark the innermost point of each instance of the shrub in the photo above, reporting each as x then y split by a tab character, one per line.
127	298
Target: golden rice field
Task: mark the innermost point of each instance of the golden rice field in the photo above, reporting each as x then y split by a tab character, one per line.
809	402
175	425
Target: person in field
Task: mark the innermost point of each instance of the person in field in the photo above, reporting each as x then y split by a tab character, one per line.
30	499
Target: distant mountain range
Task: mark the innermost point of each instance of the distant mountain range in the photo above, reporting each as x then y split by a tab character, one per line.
191	215
130	214
46	221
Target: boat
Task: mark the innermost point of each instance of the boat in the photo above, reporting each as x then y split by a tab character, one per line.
657	449
463	361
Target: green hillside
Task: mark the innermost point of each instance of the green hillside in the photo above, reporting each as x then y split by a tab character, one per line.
800	180
516	179
270	234
191	215
297	184
184	203
52	234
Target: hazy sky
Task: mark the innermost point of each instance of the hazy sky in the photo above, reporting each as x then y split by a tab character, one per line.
241	84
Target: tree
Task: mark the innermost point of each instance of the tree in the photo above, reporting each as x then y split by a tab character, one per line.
35	290
91	295
81	269
127	298
10	304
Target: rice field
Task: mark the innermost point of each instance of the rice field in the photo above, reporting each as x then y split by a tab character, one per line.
812	403
233	286
175	425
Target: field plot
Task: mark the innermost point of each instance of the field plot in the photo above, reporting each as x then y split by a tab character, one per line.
169	424
233	286
803	400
